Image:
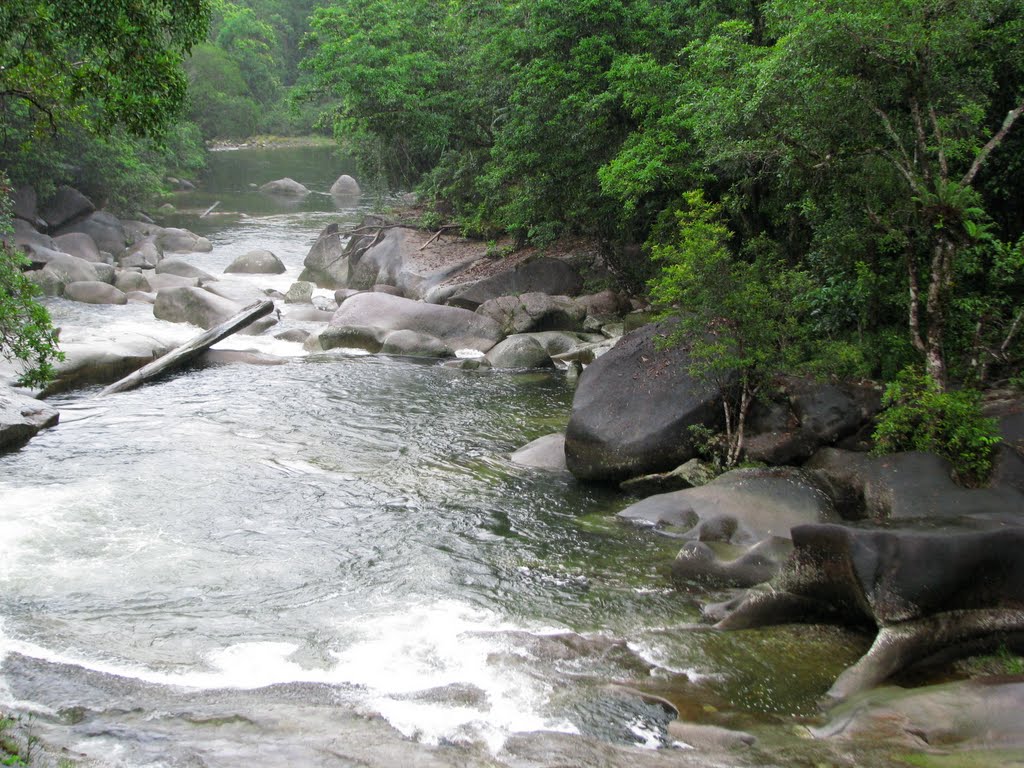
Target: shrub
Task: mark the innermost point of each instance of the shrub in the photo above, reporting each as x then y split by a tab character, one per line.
919	415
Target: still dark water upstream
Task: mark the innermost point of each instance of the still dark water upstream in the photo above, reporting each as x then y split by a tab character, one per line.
333	561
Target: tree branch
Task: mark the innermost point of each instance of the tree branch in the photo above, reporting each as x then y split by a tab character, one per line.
994	142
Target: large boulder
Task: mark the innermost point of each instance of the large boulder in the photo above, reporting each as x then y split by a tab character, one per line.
345	186
26	235
327	263
89	361
545	275
159	282
104	228
396	260
906	486
175	240
66	206
94	292
534	312
367	319
25	206
128	280
257	262
285	187
21	417
202	308
79	244
519	351
927	592
71	269
142	254
238	291
749	509
634	407
182	268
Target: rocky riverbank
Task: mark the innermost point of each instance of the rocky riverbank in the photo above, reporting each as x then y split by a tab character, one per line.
820	531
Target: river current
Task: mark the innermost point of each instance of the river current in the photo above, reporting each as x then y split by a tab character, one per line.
332	561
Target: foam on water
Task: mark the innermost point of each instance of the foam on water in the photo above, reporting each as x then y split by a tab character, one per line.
401	663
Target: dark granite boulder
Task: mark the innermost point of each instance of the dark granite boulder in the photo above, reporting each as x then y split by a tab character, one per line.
633	408
543	275
926	592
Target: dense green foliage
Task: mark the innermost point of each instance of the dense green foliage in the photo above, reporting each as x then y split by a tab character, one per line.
242	76
88	91
920	416
875	148
746	319
27	336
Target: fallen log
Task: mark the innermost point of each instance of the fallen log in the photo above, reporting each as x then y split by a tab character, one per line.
183	355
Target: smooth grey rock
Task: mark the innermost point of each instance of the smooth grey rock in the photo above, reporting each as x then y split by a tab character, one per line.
71	269
375	315
546	452
238	291
94	292
104	228
21	418
746	504
200	307
519	351
79	244
25	205
295	335
102	362
533	312
543	275
158	282
414	344
327	263
345	186
182	268
285	187
257	262
49	282
26	235
175	240
753	509
143	254
66	206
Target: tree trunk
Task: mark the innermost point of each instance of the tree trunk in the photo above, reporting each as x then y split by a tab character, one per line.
943	253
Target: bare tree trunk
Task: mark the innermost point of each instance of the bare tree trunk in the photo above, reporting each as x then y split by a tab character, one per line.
941	278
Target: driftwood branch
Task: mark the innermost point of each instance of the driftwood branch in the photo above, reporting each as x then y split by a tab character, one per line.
438	234
186	353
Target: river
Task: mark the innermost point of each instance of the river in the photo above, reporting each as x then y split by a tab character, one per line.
333	561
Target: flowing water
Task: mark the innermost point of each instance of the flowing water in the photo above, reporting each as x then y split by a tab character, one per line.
332	561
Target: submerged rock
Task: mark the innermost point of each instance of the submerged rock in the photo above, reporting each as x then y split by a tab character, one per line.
546	452
285	187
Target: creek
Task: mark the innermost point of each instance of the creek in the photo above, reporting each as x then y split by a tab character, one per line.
332	561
